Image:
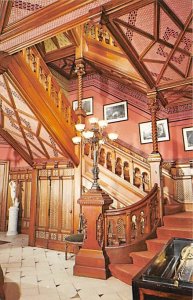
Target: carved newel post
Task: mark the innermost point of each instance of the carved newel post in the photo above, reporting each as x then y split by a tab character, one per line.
13	210
91	260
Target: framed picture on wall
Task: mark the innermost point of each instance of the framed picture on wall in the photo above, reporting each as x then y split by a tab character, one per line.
87	105
145	131
188	138
115	112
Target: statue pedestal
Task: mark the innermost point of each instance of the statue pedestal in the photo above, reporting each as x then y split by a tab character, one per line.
91	260
13	219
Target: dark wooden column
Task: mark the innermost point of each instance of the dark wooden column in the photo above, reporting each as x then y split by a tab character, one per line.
33	207
91	260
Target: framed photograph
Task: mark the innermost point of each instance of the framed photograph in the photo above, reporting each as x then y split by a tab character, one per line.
115	112
145	131
87	105
188	138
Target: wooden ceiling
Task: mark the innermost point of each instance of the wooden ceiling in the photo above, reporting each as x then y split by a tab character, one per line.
143	43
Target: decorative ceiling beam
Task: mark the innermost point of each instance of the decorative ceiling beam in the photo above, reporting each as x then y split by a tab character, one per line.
46	15
172	85
180	36
156	27
188	66
131	53
171	14
5	9
122	7
59	54
12	142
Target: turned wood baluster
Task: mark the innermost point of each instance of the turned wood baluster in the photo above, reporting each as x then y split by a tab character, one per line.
153	107
60	104
128	227
148	215
80	72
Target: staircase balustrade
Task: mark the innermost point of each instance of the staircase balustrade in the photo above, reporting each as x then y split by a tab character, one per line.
98	33
133	223
124	163
50	85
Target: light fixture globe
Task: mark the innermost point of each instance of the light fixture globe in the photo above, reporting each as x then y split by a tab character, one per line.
80	127
88	134
113	136
102	123
76	140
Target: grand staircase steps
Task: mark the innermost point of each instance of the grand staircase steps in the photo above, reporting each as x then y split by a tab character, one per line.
184	219
124	272
170	209
178	225
142	258
169	232
155	245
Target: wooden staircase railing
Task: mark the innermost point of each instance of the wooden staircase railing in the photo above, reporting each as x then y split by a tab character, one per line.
125	163
50	85
133	223
44	97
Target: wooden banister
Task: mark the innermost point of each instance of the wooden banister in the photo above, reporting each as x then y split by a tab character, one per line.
47	80
131	224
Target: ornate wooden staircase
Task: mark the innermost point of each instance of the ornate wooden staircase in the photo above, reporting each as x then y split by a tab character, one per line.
44	97
177	225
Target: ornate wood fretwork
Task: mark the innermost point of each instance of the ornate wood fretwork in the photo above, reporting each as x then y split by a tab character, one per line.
153	107
100	230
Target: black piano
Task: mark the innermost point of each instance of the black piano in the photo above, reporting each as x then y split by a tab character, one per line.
169	275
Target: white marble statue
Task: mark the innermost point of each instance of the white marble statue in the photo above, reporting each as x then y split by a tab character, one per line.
13	187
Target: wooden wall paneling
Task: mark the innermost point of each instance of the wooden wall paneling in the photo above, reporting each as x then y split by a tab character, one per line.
4	171
43	203
67	204
33	207
54	203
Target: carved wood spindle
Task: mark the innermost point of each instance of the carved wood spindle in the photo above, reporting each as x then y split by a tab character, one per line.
80	72
128	227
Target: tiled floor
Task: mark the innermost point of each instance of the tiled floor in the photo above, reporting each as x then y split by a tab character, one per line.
42	274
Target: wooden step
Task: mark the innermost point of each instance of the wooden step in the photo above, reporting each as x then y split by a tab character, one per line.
169	232
156	245
124	272
184	219
142	258
170	209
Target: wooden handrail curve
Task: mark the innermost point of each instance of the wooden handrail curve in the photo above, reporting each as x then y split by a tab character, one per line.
131	224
